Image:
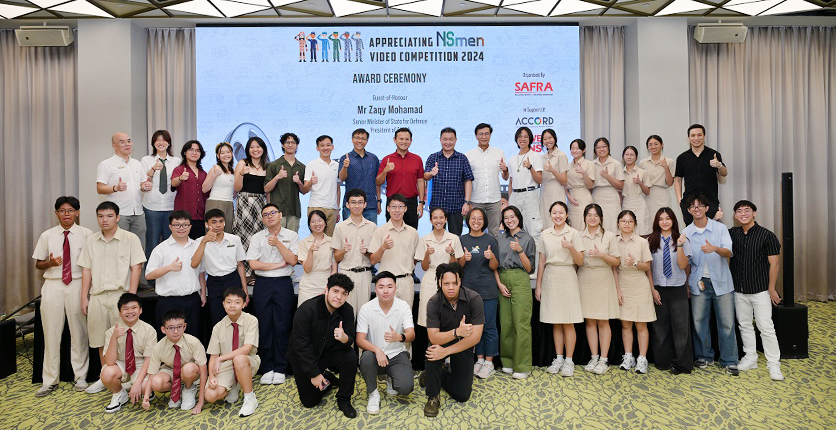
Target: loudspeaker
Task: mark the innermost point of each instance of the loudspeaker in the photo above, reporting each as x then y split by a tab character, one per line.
791	329
8	359
44	36
720	33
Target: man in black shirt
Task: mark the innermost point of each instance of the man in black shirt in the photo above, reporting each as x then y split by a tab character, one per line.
754	268
323	331
699	166
455	318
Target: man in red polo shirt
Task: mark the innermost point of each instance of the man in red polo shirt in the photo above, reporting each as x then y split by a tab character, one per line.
403	173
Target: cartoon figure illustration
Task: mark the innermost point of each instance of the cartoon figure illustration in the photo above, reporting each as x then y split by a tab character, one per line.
336	39
302	45
313	42
358	45
347	50
325	46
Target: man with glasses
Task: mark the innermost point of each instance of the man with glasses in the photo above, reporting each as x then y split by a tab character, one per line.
709	248
358	169
272	255
395	245
487	163
122	179
700	166
283	181
178	285
452	181
351	243
56	253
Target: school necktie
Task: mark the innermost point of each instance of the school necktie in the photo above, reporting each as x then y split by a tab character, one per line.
666	257
163	178
130	360
175	383
235	339
66	269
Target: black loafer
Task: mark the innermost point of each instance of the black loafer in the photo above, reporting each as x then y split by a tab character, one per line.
675	370
347	409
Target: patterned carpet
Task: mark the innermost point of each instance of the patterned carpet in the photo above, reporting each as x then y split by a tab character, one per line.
702	400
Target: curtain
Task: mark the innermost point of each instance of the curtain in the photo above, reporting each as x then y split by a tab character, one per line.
602	86
172	93
39	128
769	106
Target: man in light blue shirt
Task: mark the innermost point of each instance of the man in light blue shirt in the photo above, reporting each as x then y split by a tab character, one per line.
711	286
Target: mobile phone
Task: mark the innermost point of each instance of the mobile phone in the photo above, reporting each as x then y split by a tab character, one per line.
325	384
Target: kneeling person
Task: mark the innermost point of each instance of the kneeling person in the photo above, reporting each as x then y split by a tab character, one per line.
128	347
179	358
233	354
455	318
383	325
323	331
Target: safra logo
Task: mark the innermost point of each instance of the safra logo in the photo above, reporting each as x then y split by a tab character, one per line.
328	46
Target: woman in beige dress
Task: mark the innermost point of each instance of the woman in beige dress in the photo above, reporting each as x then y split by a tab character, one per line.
635	189
635	280
578	183
317	258
555	169
560	249
659	170
442	247
608	180
598	280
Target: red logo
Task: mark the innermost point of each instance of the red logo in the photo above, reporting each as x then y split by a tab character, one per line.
533	87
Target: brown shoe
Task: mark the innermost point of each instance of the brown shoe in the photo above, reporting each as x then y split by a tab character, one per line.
431	408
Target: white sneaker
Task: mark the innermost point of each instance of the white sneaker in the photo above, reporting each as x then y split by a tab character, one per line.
267	378
749	362
477	366
507	370
486	370
81	385
590	367
641	365
188	398
775	371
601	367
278	378
520	375
117	401
373	407
232	395
557	363
175	405
390	387
627	362
248	408
568	369
97	387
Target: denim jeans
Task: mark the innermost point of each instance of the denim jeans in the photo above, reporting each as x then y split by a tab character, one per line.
489	344
369	214
723	306
156	224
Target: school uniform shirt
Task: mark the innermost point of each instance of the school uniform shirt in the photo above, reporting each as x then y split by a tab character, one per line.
485	167
441	315
375	323
221	259
574	179
655	171
637	247
606	242
404	179
144	337
109	171
324	191
678	276
52	241
551	243
520	175
613	167
718	267
322	258
558	160
400	259
221	341
191	351
260	250
113	260
154	200
180	283
355	234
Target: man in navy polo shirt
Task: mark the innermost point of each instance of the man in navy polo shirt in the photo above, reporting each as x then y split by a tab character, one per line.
358	169
452	181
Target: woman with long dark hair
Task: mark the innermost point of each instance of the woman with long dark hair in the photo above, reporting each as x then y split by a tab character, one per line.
555	169
219	184
249	183
579	182
187	179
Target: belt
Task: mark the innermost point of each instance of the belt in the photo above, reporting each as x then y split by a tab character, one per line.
359	269
522	190
403	276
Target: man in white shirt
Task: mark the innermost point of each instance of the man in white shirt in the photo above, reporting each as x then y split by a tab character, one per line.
272	255
122	179
383	326
56	253
178	285
526	176
351	242
322	180
487	164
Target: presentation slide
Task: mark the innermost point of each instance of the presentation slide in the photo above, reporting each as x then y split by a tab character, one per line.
331	80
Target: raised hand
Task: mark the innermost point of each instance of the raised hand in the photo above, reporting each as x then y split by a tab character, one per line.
502	166
391	335
708	247
55	261
449	248
119	331
347	161
338	332
314	179
273	239
315	246
158	165
715	163
245	170
515	245
282	173
526	163
579	169
681	240
296	178
567	244
594	252
629	260
346	246
211	236
176	265
467	255
185	175
388	243
430	249
121	185
434	170
719	215
146	185
390	166
464	329
488	253
636	179
363	248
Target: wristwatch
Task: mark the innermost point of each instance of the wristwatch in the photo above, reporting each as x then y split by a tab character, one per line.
403	338
468	202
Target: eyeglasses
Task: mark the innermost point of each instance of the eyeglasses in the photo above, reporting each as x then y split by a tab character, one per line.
193	150
269	214
176	327
66	211
739	211
696	207
397	207
361	139
356	203
626	221
181	225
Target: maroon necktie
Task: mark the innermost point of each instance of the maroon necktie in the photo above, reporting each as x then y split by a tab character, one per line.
234	341
66	269
130	360
175	383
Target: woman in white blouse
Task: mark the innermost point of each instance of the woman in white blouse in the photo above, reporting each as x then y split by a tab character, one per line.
158	202
219	184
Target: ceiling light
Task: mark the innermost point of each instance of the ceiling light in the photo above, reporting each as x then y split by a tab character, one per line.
427	7
682	6
790	6
753	8
81	7
542	7
46	3
488	2
11	11
566	7
231	8
347	7
198	7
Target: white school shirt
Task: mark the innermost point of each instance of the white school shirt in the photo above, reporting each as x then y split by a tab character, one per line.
261	251
221	259
372	321
180	283
324	192
154	200
109	172
486	173
52	241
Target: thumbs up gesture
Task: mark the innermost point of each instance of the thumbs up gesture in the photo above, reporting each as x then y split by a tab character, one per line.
146	185
502	166
158	165
488	253
681	240
175	265
715	163
629	260
273	239
449	248
185	175
464	329
567	244
434	170
347	161
346	246
388	243
594	252
430	249
515	245
282	173
339	334
636	179
526	163
245	170
210	236
468	255
314	179
719	215
296	178
363	248
579	169
121	185
119	331
708	247
391	335
315	246
390	166
55	261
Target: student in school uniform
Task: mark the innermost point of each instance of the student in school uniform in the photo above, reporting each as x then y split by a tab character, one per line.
316	257
440	247
659	170
351	243
395	245
608	179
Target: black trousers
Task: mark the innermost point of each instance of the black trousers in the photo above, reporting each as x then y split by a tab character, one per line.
344	363
410	217
273	302
198	229
190	305
713	205
215	287
671	332
457	382
454	222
